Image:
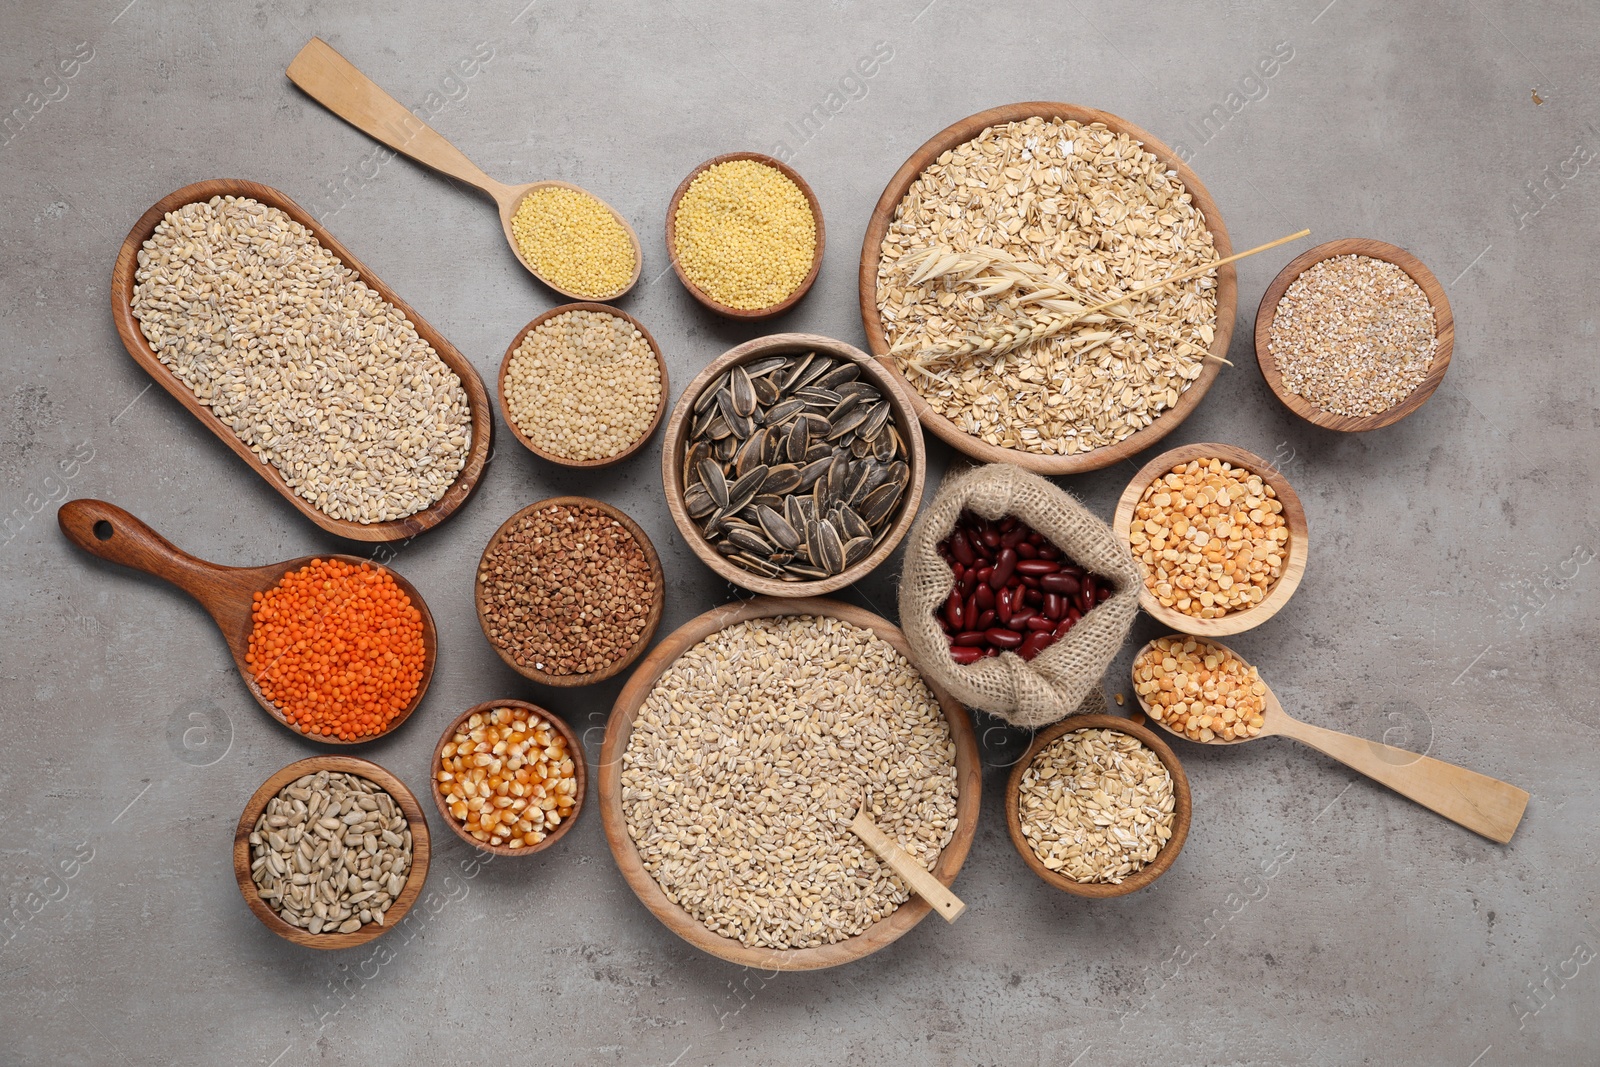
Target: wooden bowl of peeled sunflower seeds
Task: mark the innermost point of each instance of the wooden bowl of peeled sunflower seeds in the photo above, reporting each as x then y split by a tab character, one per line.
793	464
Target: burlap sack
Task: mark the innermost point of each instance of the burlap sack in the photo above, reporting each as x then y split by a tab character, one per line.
1053	685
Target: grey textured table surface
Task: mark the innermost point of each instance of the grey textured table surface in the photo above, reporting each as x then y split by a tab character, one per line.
1313	918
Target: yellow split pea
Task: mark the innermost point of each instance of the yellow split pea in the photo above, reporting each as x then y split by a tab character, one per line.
745	234
573	241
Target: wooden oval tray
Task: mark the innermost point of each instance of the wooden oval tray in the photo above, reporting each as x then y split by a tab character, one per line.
138	347
679	921
949	432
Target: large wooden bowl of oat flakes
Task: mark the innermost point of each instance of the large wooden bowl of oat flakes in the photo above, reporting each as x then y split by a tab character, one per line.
737	755
984	201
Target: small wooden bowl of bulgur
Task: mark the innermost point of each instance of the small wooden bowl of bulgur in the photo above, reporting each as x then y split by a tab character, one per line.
1219	537
1087	768
745	234
583	385
1354	335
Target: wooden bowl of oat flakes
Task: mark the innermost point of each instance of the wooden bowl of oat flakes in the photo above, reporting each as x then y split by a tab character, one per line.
1006	203
739	752
1354	335
1080	772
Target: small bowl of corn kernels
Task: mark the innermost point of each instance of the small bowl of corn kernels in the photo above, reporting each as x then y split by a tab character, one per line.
745	233
1219	537
509	777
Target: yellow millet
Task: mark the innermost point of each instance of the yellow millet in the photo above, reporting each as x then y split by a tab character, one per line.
745	234
583	385
573	241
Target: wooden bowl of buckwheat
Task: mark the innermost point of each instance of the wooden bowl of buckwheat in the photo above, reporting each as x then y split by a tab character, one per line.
998	208
744	728
583	385
1089	768
1219	537
569	591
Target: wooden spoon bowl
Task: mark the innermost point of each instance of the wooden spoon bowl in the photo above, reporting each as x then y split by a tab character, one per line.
658	602
905	420
335	83
685	925
1294	515
105	530
138	346
565	461
580	765
1181	810
942	427
415	878
1444	331
1482	804
749	314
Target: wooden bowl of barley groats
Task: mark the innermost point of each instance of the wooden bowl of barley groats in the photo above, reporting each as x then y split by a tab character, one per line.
743	740
986	199
1354	335
569	591
288	831
1099	806
1231	565
583	385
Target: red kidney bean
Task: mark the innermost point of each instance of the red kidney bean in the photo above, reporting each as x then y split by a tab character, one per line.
985	596
1074	570
1103	595
1019	619
1031	596
1003	638
984	573
985	619
1082	603
1062	627
1002	605
1074	615
970	637
1003	566
1034	644
990	651
1088	588
969	611
966	584
1053	606
1014	538
1037	568
1041	622
1008	524
952	610
989	538
1025	551
1059	583
966	654
962	549
1049	552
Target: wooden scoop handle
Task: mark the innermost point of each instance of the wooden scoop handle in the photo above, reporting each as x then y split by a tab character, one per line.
914	874
1482	804
334	82
105	530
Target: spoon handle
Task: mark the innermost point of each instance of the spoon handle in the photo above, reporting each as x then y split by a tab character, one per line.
105	530
1482	804
919	878
334	82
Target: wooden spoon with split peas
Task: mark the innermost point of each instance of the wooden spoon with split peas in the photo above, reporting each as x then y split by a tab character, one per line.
334	82
105	530
1482	804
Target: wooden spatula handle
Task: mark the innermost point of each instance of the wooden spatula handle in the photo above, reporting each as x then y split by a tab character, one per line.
1482	804
334	82
105	530
914	874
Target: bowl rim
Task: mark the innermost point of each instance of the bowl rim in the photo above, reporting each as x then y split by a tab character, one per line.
657	601
905	422
479	449
1078	463
1182	806
415	877
563	461
969	789
1443	321
1294	515
710	302
580	765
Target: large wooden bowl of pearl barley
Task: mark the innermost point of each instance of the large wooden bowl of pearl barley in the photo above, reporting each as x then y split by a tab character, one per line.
758	751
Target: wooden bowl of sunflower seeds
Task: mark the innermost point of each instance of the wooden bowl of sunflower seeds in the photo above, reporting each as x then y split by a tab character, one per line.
1099	806
793	464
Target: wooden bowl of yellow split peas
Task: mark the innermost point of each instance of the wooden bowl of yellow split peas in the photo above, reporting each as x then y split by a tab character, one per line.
745	234
583	385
